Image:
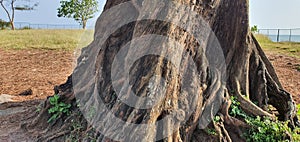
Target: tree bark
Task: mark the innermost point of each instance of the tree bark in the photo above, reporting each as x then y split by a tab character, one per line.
190	96
12	19
12	24
84	24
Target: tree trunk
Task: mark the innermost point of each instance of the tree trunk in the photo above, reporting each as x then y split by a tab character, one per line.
161	70
12	25
12	19
84	24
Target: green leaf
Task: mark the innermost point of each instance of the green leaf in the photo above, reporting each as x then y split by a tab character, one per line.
79	10
53	117
62	104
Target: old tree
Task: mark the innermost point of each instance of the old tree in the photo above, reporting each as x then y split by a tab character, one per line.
196	72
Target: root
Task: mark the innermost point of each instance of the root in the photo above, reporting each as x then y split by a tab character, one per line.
54	135
248	106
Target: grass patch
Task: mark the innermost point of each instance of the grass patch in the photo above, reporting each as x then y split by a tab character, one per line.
44	39
287	48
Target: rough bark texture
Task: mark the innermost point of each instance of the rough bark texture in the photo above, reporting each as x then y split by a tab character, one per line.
249	72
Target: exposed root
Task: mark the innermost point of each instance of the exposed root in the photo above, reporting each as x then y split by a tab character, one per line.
54	135
250	107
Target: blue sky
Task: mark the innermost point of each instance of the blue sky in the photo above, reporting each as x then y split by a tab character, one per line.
275	13
264	13
46	13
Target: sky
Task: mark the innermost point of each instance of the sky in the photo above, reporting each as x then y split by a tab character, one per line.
263	13
275	13
46	13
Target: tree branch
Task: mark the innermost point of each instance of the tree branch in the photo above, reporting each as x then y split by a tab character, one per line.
7	12
13	10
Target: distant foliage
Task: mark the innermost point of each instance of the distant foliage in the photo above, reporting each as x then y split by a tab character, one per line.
4	24
25	28
254	29
79	10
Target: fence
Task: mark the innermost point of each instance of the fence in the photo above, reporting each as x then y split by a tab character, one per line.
25	25
276	35
279	35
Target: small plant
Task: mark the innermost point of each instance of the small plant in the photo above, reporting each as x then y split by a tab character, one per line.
217	119
211	132
235	109
75	133
266	130
38	108
57	108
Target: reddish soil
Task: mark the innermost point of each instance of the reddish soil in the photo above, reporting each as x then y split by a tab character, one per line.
288	71
38	70
41	70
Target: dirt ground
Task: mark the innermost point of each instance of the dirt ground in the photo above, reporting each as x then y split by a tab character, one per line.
38	70
41	70
288	72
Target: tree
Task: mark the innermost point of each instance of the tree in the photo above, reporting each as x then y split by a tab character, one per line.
4	24
187	75
9	7
254	29
79	10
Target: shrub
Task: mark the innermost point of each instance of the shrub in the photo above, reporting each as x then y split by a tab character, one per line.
25	28
4	24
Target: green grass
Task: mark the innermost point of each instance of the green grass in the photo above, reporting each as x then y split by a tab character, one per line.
44	39
287	48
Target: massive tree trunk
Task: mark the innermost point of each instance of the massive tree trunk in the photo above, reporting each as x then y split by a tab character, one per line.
188	57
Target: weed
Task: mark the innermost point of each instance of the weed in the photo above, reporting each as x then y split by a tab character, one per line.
235	109
38	108
264	129
211	132
57	108
217	119
75	131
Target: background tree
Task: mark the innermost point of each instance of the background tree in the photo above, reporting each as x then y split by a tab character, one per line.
254	29
4	24
9	6
79	10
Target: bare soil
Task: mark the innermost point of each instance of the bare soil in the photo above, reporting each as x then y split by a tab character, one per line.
288	71
41	70
38	70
